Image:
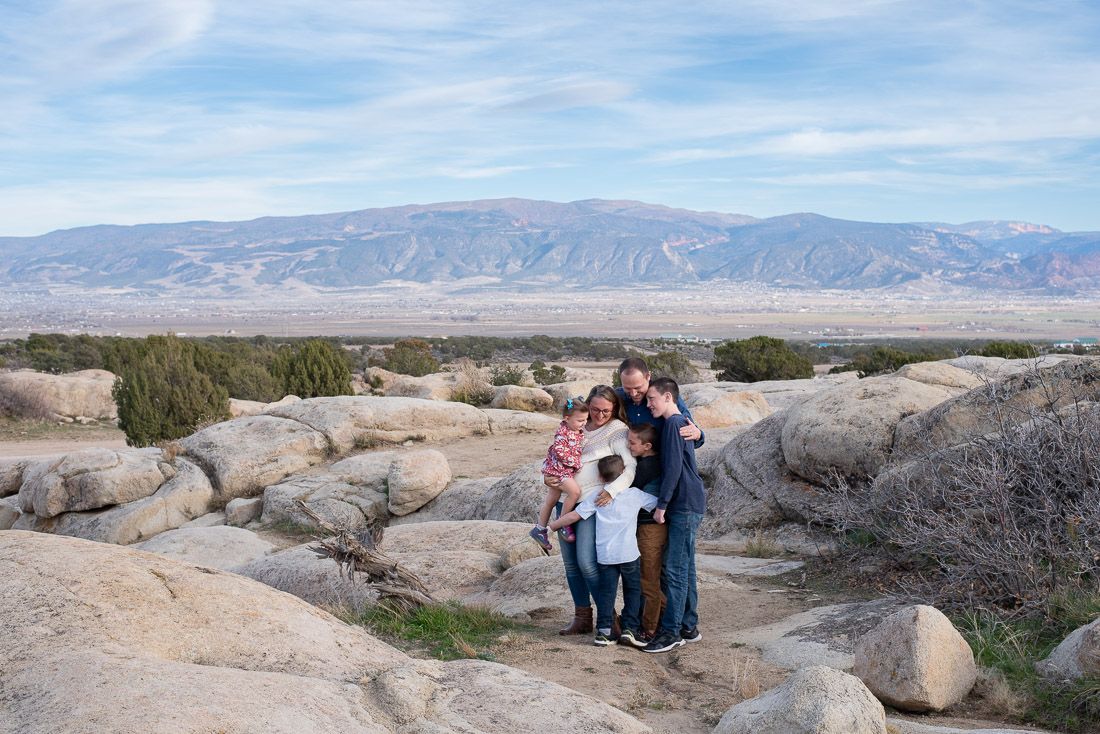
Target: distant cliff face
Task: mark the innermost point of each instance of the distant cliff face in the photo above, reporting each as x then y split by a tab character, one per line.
521	242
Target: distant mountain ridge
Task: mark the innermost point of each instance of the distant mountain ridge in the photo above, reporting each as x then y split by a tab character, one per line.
524	243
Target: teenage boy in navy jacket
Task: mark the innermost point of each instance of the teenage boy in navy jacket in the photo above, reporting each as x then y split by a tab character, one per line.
680	504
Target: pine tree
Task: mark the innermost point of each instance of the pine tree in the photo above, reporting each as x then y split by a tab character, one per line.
163	395
313	370
759	358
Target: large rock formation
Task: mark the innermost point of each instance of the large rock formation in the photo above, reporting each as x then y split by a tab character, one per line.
244	455
814	700
152	644
84	394
184	497
215	547
916	660
90	479
1076	656
516	397
714	408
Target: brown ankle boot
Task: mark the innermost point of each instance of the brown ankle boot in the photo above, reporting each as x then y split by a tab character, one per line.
581	624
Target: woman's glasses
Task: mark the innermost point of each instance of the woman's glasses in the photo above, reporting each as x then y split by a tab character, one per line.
596	411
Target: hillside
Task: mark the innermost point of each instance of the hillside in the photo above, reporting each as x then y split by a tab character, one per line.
520	242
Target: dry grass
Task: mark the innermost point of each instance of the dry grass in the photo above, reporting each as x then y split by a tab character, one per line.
761	546
27	403
472	387
993	688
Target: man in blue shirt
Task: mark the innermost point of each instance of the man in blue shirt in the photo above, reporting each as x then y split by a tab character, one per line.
634	377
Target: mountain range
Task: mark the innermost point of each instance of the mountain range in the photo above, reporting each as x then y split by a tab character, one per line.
523	243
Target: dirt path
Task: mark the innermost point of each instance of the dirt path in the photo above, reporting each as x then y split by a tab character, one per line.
682	692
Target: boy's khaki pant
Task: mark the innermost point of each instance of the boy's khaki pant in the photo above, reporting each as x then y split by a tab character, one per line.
651	544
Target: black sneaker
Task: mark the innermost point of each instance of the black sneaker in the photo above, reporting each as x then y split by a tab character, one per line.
691	635
602	640
663	642
629	638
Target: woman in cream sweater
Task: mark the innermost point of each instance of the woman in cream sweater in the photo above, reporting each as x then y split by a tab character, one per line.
605	434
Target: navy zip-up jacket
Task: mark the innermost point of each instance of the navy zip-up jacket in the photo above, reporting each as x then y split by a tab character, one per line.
642	414
681	486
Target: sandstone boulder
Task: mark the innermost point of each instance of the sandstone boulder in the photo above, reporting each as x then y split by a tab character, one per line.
90	479
457	502
515	498
9	513
779	394
813	700
216	547
11	474
85	393
134	642
241	511
379	378
344	505
209	520
496	538
370	469
562	391
307	575
975	413
1076	656
532	589
752	486
942	374
244	455
438	386
348	422
712	408
998	368
517	421
177	502
916	660
850	428
515	397
239	408
415	478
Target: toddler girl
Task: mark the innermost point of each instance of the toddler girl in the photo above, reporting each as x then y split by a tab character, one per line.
563	458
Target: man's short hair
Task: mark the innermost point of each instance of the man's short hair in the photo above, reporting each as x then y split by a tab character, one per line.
633	364
611	467
646	433
665	384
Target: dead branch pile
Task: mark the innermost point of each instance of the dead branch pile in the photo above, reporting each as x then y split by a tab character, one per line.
398	587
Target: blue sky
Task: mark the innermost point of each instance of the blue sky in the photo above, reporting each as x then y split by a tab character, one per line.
128	111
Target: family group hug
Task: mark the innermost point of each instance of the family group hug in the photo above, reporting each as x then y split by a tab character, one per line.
621	474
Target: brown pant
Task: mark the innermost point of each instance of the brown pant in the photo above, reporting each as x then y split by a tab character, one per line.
651	544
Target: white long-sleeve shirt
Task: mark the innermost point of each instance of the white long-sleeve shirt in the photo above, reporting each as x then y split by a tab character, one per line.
617	525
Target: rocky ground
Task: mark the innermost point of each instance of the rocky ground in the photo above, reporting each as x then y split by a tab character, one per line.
456	486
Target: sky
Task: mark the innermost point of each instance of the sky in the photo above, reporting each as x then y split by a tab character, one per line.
132	111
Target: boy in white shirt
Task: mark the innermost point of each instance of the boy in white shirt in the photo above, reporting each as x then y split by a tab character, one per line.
617	553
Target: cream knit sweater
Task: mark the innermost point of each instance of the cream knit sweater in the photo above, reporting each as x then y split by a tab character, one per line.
606	440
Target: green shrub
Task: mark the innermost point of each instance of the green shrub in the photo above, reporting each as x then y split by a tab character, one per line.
163	396
884	360
251	381
547	375
410	357
759	358
313	370
1009	350
673	364
506	374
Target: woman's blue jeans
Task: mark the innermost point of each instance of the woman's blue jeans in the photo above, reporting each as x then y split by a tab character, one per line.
682	607
581	572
